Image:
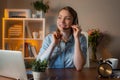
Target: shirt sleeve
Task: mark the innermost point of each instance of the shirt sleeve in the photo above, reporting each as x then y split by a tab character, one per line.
45	44
83	42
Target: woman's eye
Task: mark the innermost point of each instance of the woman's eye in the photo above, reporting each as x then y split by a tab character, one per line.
68	18
59	17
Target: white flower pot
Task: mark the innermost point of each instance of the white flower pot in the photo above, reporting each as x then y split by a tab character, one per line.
40	14
36	75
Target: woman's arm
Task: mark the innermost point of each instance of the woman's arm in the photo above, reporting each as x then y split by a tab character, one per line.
79	59
48	47
47	52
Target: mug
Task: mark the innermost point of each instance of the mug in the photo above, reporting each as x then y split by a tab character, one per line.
114	62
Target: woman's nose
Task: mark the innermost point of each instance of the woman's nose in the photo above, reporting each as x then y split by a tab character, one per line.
63	20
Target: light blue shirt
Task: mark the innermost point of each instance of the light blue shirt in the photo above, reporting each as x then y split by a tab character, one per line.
62	56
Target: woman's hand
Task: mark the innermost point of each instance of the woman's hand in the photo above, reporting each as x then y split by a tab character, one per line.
76	31
56	37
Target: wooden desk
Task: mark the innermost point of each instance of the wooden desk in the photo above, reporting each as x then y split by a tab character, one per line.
72	74
69	74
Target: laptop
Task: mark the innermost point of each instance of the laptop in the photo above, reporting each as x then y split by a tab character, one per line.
12	65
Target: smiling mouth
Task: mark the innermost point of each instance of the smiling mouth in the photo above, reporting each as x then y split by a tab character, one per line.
64	26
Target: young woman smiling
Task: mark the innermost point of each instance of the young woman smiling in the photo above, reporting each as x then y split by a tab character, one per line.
66	47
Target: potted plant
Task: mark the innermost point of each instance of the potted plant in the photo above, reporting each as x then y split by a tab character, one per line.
94	38
41	7
38	66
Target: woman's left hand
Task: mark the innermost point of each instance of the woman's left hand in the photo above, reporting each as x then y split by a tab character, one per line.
76	31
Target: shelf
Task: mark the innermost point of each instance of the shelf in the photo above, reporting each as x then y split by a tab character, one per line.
18	35
32	39
35	19
13	38
29	58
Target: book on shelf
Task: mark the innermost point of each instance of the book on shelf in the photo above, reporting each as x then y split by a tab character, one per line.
15	30
31	50
34	51
6	46
26	50
28	32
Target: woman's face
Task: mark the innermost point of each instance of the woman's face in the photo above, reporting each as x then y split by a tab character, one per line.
64	20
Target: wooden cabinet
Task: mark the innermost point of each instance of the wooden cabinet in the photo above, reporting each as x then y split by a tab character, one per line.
23	34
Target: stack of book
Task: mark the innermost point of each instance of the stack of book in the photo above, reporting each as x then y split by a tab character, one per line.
15	31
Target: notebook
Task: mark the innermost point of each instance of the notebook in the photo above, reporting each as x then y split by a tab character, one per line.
12	64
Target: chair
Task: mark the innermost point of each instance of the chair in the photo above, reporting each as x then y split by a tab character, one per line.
87	59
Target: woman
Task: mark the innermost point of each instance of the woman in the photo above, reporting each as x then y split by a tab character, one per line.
66	47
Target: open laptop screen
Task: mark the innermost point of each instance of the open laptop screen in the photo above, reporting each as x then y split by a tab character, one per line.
12	64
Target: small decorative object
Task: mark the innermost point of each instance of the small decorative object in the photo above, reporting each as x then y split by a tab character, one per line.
94	38
41	34
105	69
34	16
35	35
17	13
41	7
38	67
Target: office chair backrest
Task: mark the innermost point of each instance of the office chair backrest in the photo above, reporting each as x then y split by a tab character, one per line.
87	59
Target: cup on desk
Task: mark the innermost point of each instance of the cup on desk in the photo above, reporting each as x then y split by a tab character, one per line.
35	35
114	62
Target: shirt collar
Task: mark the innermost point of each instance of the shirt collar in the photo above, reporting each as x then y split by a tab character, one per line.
70	40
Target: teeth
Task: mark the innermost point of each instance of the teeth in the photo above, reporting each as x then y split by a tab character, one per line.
62	25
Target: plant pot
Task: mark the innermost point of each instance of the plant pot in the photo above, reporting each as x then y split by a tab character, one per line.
38	75
40	14
93	56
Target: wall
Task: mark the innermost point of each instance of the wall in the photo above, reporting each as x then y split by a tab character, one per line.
102	14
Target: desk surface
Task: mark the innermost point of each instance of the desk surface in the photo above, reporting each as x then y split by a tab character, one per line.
69	74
